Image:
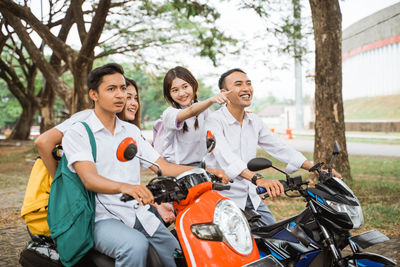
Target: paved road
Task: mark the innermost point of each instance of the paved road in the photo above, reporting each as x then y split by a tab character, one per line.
307	145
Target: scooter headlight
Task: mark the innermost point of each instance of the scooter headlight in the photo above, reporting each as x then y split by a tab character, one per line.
234	226
355	212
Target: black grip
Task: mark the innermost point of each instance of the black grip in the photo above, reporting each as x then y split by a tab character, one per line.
126	197
220	187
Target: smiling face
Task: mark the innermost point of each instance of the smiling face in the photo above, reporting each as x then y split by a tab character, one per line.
132	103
111	94
242	90
181	92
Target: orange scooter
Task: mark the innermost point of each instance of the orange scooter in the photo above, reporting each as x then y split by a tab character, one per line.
211	229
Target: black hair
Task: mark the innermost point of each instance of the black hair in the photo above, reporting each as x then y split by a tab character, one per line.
221	81
95	77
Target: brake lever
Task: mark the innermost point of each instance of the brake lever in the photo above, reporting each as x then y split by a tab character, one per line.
215	178
316	167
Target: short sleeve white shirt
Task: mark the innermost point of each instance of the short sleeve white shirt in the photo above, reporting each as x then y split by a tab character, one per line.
236	145
79	116
183	147
77	147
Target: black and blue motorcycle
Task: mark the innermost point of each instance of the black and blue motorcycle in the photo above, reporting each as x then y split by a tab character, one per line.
318	235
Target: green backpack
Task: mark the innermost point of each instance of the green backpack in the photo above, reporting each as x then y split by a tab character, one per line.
71	211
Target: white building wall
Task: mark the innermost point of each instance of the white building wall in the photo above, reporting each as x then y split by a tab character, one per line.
372	73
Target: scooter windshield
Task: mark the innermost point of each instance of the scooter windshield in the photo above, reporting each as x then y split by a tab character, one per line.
193	177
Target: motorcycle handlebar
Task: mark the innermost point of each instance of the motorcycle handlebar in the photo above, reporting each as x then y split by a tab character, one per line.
261	190
291	184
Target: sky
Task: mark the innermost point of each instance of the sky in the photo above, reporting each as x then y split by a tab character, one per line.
279	83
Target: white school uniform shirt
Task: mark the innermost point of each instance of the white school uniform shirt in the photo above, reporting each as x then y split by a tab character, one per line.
236	145
79	116
77	147
183	147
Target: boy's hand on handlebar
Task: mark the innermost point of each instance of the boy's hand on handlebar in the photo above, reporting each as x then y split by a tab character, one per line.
139	192
220	174
273	187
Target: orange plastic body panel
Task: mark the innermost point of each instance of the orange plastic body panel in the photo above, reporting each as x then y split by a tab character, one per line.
203	252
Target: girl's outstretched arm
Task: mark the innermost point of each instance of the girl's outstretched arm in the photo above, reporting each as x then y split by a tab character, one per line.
197	108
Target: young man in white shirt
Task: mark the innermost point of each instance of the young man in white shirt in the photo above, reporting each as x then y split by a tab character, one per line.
120	231
238	134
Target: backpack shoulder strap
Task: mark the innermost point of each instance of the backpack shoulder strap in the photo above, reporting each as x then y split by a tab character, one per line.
92	140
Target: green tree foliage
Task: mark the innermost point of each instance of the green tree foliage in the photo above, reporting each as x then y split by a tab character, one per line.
9	106
143	30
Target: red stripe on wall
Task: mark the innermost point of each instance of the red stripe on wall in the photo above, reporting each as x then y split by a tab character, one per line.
371	46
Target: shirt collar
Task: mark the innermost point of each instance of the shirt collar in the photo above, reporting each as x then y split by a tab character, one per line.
96	125
231	119
228	115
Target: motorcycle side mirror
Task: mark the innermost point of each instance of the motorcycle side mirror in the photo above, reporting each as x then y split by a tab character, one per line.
258	164
336	148
210	141
336	151
127	150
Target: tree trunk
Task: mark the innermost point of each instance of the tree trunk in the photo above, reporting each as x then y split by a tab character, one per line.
46	108
329	120
80	95
22	129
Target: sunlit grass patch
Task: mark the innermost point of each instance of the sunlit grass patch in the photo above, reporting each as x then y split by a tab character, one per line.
370	189
375	166
382	215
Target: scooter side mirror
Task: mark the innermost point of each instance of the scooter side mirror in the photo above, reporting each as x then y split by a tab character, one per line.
127	149
210	141
258	164
336	148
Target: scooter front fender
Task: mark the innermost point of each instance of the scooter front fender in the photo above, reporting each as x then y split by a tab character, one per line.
206	252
